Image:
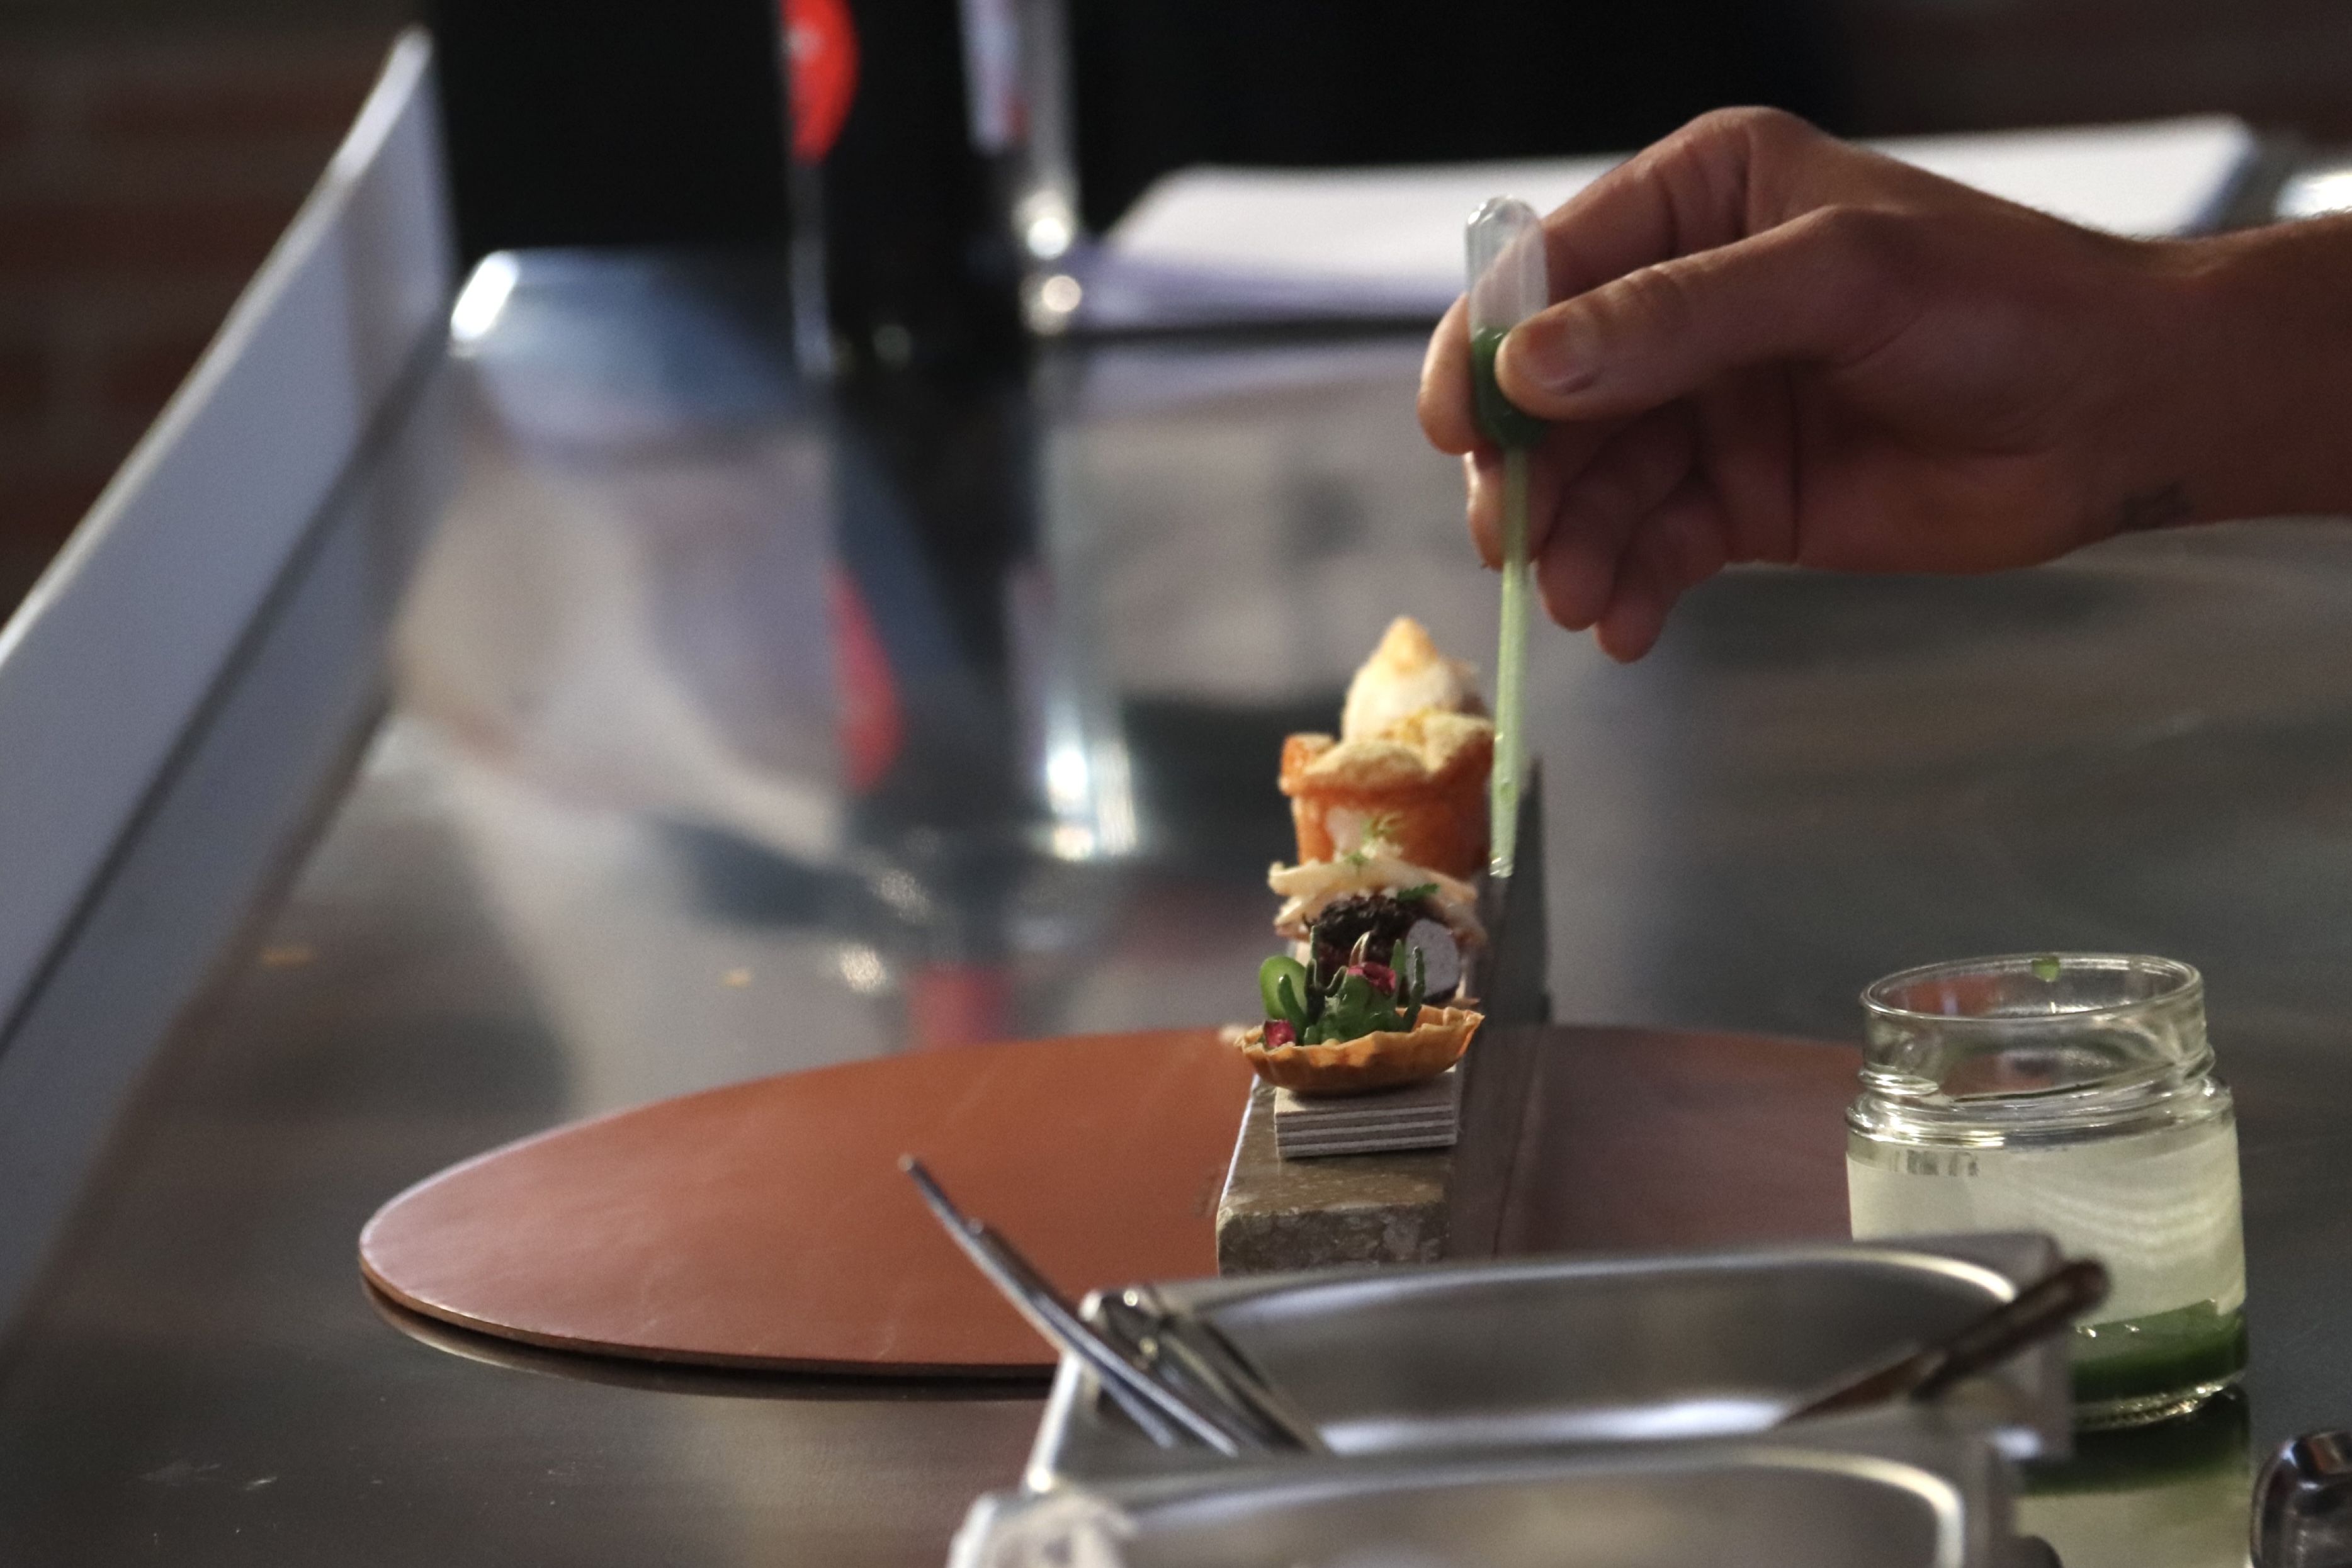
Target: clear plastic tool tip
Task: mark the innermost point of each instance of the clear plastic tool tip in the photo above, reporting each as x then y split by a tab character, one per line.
1508	279
1508	282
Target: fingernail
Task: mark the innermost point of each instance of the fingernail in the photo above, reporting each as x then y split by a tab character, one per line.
1552	355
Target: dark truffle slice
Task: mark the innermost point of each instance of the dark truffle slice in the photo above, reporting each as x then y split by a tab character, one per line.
1388	922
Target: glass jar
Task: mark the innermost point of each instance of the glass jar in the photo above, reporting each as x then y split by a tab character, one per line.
2072	1093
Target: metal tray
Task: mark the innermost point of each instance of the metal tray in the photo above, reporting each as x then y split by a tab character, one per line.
1586	1351
1899	1488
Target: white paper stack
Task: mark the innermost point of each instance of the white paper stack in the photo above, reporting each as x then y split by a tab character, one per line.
1424	1115
1217	246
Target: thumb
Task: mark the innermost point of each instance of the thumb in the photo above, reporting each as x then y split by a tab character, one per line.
1828	287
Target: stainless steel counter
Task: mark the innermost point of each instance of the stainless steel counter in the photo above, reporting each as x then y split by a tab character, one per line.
644	814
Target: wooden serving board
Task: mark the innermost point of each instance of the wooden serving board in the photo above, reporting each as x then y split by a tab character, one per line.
767	1225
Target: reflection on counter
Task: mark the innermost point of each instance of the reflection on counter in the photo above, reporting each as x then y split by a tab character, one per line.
2172	1495
788	724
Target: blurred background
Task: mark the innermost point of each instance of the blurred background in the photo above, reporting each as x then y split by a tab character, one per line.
150	151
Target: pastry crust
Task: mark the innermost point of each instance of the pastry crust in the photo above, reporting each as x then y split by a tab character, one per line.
1380	1060
1424	779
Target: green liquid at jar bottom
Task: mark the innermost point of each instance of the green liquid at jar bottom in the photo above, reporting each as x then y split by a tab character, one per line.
2164	1353
1499	417
2214	1438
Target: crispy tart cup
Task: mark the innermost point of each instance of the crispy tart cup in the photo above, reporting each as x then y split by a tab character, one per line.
1380	1060
1425	780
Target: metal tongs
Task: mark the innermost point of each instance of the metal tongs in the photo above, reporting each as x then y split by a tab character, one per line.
1172	1373
2039	1311
1183	1382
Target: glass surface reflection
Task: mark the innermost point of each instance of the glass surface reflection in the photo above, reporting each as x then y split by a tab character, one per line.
2171	1495
785	724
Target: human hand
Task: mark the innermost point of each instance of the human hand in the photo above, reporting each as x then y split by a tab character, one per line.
1772	346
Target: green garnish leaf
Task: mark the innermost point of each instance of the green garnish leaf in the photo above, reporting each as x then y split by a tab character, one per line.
1416	893
2045	968
1347	1006
1282	985
1409	990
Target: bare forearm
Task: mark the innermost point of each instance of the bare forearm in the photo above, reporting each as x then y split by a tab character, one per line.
2257	396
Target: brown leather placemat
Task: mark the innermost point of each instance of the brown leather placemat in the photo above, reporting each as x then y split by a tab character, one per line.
766	1225
1643	1139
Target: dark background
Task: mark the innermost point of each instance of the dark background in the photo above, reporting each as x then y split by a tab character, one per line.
1164	83
150	151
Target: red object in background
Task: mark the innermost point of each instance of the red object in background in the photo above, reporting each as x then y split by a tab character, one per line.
950	1005
872	727
821	53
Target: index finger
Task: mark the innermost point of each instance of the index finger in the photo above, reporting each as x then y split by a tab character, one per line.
1724	177
1444	402
1694	190
1689	191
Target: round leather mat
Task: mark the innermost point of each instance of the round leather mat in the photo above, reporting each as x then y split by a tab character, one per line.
767	1225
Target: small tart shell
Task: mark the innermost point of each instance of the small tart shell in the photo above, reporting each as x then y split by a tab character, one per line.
1425	775
1380	1060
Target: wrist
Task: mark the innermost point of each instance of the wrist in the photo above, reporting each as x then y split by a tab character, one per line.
2250	384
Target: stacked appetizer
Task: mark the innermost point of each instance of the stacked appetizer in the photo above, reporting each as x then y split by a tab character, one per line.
1392	822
